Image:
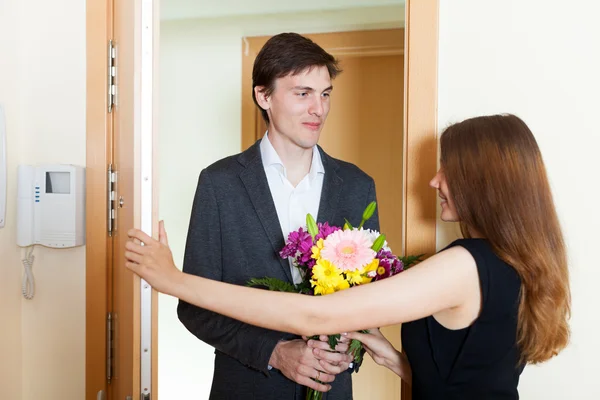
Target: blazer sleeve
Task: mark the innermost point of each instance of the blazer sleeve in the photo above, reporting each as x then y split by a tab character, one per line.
250	345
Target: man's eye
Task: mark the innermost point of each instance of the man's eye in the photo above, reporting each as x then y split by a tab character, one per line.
326	94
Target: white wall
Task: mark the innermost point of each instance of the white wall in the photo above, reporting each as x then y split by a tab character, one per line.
42	85
538	59
200	123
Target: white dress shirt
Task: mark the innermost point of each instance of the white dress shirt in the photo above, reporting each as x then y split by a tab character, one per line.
292	203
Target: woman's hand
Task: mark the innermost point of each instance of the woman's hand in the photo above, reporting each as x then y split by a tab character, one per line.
383	353
153	261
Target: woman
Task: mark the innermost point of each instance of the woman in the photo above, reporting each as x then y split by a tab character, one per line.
474	314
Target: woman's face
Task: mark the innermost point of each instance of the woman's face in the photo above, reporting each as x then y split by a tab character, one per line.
438	182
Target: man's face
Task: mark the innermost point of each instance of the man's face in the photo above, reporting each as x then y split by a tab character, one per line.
298	106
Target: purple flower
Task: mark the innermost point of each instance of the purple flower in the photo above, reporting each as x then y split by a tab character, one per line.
397	267
389	265
297	241
384	269
305	250
384	254
325	230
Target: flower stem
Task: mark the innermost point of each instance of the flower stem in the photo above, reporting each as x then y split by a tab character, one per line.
312	394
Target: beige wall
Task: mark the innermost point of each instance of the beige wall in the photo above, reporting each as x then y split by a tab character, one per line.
538	59
10	270
200	123
42	85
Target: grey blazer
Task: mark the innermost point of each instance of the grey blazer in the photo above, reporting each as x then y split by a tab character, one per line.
235	235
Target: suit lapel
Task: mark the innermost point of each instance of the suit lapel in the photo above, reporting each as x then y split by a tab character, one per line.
332	187
257	186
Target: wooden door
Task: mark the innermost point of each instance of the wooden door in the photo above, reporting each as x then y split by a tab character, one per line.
113	292
98	157
365	127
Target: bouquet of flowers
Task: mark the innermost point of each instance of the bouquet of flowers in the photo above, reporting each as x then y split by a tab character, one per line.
333	258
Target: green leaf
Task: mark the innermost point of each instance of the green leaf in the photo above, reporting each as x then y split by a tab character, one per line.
333	340
378	243
304	287
273	284
347	225
408	261
368	213
311	225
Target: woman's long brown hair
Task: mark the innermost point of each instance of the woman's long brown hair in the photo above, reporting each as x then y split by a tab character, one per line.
497	179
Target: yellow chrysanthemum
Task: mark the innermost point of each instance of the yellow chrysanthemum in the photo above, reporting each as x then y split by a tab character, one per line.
342	285
326	277
325	271
316	249
355	277
322	290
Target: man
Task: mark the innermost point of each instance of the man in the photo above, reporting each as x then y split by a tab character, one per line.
246	205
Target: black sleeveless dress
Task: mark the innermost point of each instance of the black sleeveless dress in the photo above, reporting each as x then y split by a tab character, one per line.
479	362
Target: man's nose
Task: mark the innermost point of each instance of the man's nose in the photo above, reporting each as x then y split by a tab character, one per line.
316	107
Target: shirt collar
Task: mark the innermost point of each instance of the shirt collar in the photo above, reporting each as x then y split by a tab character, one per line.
270	158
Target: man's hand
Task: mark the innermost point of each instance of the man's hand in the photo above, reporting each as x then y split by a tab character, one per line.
296	360
329	360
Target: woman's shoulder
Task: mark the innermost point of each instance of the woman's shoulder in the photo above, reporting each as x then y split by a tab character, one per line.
480	249
470	243
498	279
483	252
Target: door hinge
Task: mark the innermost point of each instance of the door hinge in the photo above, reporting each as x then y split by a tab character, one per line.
109	346
112	75
112	200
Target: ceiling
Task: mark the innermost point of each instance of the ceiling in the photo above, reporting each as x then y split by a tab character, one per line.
188	9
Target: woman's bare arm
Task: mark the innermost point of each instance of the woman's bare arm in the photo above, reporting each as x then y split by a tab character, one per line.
441	282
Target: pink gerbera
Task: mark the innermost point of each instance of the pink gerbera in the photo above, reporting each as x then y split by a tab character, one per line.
348	250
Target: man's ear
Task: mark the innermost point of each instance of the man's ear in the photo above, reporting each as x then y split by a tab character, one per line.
262	99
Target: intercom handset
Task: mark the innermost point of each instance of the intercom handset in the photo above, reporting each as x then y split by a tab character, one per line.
51	205
50	211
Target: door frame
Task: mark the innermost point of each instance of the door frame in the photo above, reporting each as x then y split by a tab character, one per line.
420	164
420	131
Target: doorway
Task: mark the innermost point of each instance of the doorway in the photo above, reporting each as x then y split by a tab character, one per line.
417	213
205	82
